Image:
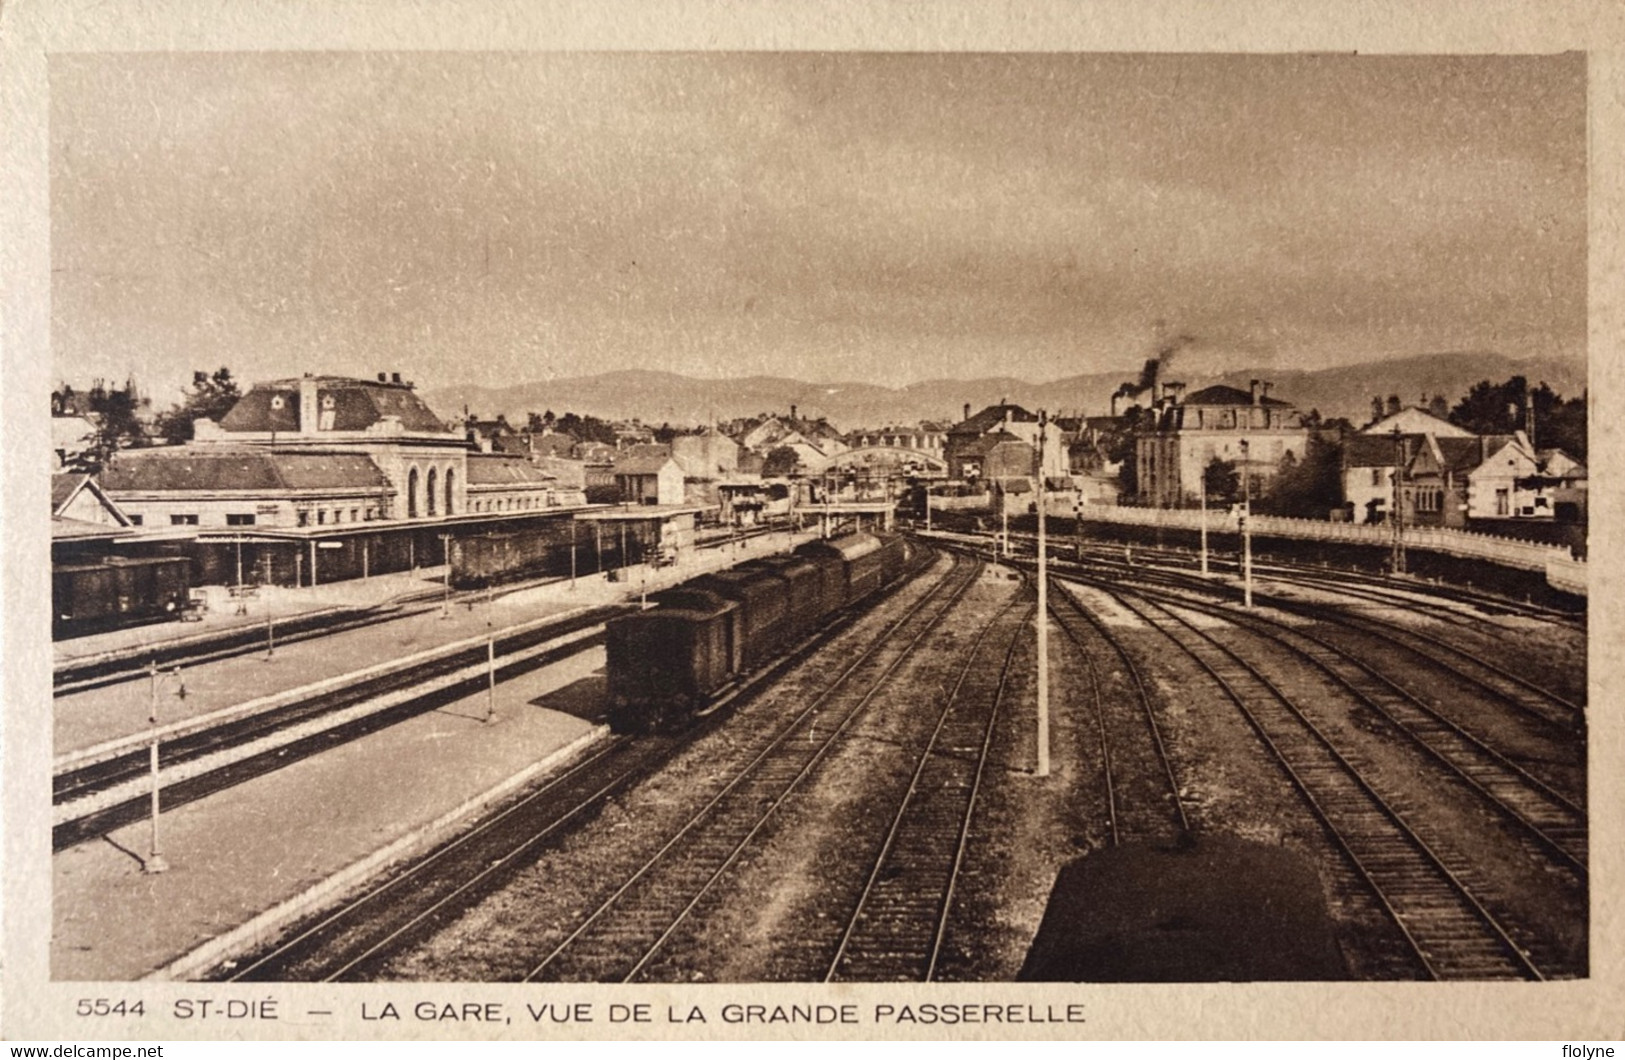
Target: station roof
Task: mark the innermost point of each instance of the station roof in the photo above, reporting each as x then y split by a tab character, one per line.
65	529
215	469
498	469
357	405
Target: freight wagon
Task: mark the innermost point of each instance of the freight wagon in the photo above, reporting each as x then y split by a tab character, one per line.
666	663
118	591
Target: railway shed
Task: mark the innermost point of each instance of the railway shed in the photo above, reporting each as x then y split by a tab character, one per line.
661	533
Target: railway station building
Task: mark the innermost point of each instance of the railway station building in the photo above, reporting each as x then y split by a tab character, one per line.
322	478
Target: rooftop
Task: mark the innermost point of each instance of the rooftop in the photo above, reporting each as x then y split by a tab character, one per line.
210	469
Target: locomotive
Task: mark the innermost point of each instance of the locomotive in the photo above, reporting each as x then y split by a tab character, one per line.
666	664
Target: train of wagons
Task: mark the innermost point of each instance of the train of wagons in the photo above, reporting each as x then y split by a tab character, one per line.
668	663
92	596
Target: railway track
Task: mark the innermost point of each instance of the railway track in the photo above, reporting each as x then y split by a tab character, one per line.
1429	890
96	798
355	939
1443	600
625	932
900	919
1465	664
1142	792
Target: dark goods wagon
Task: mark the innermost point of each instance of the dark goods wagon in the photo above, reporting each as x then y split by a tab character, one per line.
802	583
860	553
665	664
760	596
118	591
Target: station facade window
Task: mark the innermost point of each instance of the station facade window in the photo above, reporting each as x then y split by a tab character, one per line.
179	519
239	519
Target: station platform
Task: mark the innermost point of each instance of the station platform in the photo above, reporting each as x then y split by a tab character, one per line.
95	716
250	859
245	861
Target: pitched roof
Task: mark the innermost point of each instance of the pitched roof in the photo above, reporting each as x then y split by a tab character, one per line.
211	469
357	405
63	486
497	469
990	417
1220	394
642	464
989	442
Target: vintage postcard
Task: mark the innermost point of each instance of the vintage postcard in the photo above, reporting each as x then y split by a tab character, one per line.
681	521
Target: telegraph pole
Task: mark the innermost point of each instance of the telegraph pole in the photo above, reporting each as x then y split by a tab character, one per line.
1043	614
155	862
1396	560
270	629
1246	529
445	595
1203	481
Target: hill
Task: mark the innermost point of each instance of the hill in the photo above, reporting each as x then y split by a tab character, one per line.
657	397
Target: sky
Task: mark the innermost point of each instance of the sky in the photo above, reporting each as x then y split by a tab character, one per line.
481	218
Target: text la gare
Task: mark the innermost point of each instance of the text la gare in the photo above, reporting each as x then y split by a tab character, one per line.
545	1012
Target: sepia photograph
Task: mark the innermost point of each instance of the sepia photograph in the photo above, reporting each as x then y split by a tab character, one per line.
751	519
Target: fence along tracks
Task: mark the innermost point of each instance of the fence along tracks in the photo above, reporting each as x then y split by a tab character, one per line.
1425	891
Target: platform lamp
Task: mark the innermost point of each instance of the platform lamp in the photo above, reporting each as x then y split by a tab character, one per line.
445	557
1246	529
1042	769
155	862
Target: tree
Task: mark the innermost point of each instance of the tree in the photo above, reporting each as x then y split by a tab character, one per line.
781	460
1222	481
117	426
210	397
1489	408
1309	488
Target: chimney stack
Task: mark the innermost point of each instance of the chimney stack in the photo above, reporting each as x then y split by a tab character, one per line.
383	377
967	410
1253	386
1266	385
395	377
792	412
307	404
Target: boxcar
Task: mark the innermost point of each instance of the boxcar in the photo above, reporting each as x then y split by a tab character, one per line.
803	585
767	612
118	590
860	553
664	664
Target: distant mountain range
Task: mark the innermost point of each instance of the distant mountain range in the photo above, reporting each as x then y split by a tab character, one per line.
664	397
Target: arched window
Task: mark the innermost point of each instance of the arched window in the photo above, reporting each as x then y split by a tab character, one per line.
429	492
451	477
412	494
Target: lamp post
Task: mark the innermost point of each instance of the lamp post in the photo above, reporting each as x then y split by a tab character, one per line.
1043	614
490	678
155	862
445	559
242	604
1246	529
270	629
1203	481
1396	560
